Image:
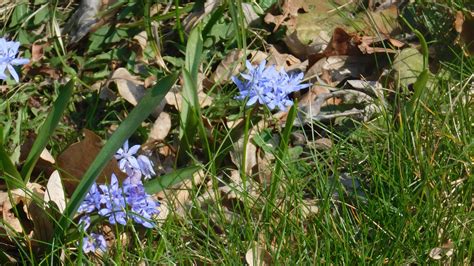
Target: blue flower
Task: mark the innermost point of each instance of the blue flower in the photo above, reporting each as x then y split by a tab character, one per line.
268	86
129	163
146	166
126	159
94	243
143	207
115	204
92	201
85	222
8	58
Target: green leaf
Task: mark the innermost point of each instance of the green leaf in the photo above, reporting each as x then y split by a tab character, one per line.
194	53
143	109
190	113
419	86
19	14
188	118
160	183
48	128
8	171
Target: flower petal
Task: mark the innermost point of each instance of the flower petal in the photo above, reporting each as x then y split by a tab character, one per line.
13	73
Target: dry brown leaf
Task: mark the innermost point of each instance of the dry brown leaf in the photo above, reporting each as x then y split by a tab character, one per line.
285	61
339	68
164	212
37	52
258	256
228	67
459	21
249	13
161	127
385	21
76	159
129	86
44	163
290	10
467	32
19	197
302	50
312	93
55	191
43	225
309	207
194	17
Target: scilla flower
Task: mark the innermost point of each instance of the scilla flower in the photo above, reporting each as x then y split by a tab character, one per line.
268	86
129	162
94	243
8	59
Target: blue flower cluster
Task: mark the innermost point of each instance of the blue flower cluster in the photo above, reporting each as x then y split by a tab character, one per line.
8	58
120	204
268	86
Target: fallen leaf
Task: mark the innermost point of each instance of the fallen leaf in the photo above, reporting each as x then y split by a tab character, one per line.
37	52
249	13
74	161
290	10
164	212
467	33
55	192
339	68
132	89
129	86
19	198
161	127
459	21
258	256
45	162
43	224
302	50
191	20
384	21
284	61
445	250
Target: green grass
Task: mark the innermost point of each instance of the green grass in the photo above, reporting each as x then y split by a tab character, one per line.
387	191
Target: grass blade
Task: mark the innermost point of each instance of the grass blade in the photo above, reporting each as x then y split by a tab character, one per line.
158	184
151	99
48	128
